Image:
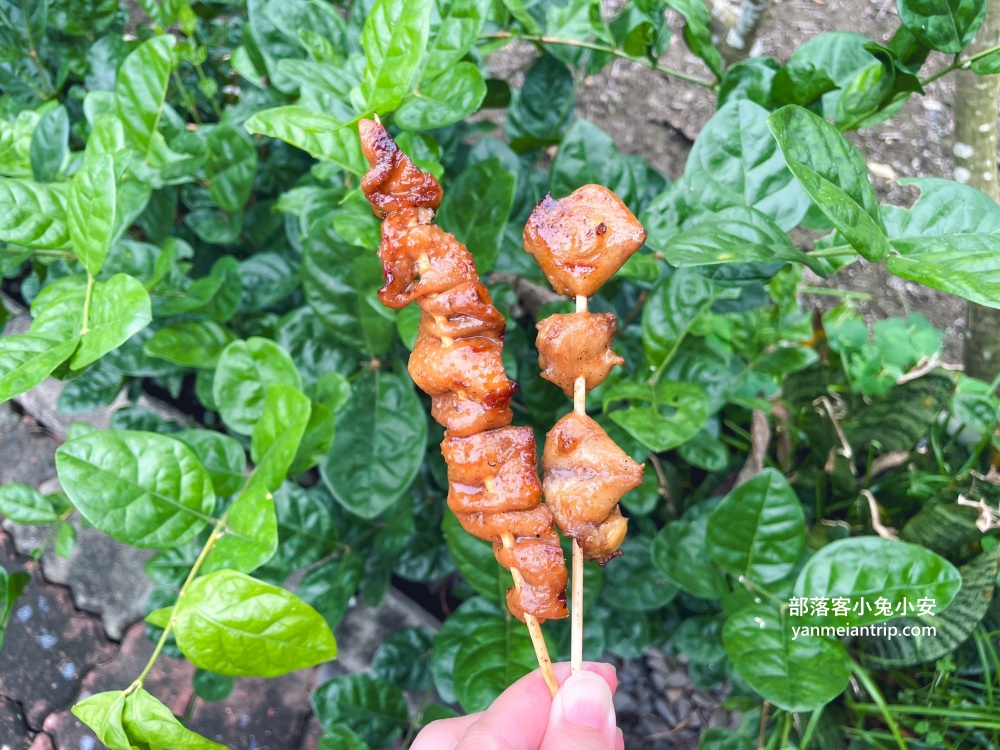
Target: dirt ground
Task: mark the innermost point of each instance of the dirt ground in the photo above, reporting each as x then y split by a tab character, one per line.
659	117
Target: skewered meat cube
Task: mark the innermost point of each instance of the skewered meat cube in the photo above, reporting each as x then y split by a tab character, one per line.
585	475
577	345
419	258
493	479
466	380
393	182
581	241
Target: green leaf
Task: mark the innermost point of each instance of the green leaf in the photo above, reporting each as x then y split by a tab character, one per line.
340	737
871	567
758	530
149	723
495	653
141	488
451	97
231	167
245	370
191	343
91	211
315	133
394	38
544	106
210	686
404	659
141	88
317	439
449	640
11	587
103	713
33	215
460	24
739	234
951	627
339	283
98	385
679	553
330	586
306	533
119	308
632	582
379	445
817	71
475	561
697	34
672	310
26	360
796	674
588	155
222	456
235	625
675	414
834	175
65	540
477	207
49	144
944	25
277	435
23	504
372	707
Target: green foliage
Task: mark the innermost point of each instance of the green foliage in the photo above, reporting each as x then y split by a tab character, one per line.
180	209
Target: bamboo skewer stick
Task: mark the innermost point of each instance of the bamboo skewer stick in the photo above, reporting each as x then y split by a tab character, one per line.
576	608
534	629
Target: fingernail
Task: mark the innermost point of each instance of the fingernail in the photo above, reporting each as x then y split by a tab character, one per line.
585	700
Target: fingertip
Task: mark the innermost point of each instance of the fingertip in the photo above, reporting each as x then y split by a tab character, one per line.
620	740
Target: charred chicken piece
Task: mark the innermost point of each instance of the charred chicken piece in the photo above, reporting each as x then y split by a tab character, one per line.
494	492
469	389
581	241
419	258
585	475
393	182
577	345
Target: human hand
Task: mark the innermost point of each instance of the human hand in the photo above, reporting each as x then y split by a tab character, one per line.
526	717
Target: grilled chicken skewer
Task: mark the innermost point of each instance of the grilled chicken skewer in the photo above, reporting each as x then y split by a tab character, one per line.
492	474
580	242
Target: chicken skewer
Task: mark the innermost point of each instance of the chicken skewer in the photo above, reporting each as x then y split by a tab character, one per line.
494	489
580	242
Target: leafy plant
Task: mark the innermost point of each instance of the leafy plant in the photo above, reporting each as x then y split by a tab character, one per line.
181	213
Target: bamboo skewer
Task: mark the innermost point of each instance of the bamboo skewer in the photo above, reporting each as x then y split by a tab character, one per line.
534	629
576	603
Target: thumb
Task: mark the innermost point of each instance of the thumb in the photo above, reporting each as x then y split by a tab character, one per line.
582	716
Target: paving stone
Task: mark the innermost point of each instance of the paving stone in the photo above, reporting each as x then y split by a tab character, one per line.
9	419
27	454
312	735
14	734
170	681
260	714
105	576
49	646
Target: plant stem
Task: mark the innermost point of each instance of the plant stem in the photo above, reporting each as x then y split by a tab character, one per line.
220	527
36	558
607	50
876	695
965	62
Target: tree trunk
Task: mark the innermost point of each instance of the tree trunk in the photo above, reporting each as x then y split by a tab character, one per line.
736	30
975	152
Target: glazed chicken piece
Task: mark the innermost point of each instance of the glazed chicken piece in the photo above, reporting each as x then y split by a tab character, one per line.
577	345
469	389
494	492
585	475
393	182
419	258
581	241
464	310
